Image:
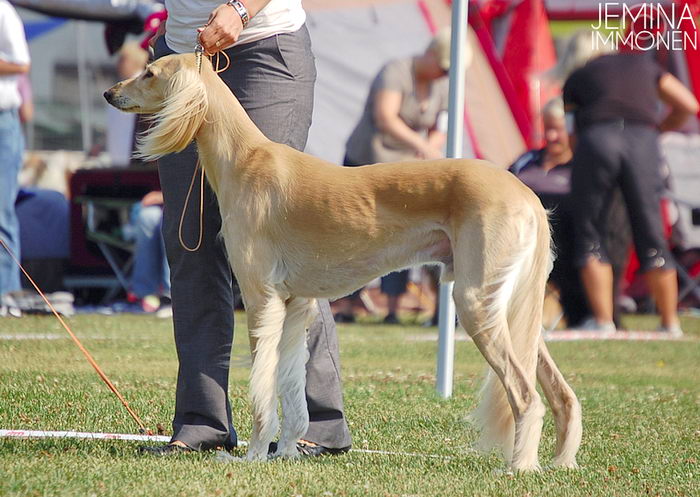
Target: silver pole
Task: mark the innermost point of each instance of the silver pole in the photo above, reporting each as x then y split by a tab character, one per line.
455	138
85	120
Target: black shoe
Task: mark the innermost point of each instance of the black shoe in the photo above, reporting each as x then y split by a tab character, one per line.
391	319
312	450
164	450
307	449
342	317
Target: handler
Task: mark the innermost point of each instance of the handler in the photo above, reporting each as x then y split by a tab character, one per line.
272	73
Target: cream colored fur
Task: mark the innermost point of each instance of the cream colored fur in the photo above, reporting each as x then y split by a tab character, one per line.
298	228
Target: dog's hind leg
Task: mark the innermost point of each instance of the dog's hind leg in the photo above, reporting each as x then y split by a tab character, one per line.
565	407
499	287
512	421
265	322
291	376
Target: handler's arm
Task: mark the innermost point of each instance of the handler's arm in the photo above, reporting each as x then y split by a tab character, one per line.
386	116
225	25
682	102
437	139
8	68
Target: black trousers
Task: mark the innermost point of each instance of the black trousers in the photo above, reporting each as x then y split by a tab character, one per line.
625	155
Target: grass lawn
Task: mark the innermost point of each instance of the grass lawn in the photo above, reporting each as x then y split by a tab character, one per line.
641	407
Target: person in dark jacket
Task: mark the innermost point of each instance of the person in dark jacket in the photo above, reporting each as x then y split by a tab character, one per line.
614	99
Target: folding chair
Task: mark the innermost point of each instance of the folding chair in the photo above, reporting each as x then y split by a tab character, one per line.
111	245
689	277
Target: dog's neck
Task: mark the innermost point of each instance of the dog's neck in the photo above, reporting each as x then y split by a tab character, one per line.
227	135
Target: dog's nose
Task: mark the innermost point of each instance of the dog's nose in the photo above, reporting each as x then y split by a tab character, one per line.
108	95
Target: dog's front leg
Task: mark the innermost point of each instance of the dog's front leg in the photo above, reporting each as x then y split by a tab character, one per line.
292	374
265	322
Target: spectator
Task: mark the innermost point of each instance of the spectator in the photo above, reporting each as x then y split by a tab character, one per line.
548	172
14	61
400	122
150	277
121	126
614	99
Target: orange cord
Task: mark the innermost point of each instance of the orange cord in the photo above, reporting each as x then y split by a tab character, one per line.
92	362
217	70
201	210
75	339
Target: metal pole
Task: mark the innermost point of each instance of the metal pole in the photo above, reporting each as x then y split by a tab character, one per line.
455	138
85	119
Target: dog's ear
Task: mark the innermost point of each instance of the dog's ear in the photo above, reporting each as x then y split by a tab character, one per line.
174	127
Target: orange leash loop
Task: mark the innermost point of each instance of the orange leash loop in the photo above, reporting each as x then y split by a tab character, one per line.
201	210
199	51
92	362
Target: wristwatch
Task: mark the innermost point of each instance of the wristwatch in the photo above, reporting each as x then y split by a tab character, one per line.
242	11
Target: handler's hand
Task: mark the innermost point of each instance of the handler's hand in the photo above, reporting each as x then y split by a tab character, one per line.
428	151
222	30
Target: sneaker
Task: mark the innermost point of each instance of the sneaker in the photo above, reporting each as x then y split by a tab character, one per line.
10	312
627	304
9	307
311	449
591	324
674	331
165	312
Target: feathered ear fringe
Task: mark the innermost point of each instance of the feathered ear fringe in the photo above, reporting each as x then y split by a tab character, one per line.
175	126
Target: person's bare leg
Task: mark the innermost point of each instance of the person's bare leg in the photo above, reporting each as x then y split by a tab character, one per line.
663	284
597	278
344	306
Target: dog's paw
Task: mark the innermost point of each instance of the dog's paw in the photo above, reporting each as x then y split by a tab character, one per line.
525	468
254	456
565	464
223	456
288	453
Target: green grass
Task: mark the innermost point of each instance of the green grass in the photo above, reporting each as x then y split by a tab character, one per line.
641	405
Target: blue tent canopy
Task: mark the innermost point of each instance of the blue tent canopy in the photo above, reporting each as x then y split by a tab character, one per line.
34	29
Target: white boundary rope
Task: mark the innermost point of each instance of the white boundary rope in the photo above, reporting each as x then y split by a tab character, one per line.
402	454
29	434
81	434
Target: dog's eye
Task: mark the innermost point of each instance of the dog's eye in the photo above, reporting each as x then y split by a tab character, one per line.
147	74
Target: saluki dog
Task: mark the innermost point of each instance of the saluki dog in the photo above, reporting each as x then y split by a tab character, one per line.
298	228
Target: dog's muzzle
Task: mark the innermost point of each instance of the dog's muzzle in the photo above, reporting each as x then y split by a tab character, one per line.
109	95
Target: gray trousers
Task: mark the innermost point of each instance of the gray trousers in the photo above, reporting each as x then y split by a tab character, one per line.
274	80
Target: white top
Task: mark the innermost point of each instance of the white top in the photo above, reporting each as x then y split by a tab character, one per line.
185	16
120	136
13	48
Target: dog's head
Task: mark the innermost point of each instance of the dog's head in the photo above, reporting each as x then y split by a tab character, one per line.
172	89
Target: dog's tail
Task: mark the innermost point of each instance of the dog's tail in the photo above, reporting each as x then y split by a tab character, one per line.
518	296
